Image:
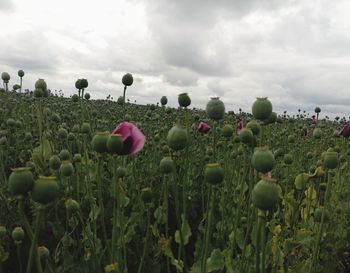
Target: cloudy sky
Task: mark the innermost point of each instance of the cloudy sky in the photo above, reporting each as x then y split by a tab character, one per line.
295	52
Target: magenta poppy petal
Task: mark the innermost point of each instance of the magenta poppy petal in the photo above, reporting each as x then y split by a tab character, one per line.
203	127
129	131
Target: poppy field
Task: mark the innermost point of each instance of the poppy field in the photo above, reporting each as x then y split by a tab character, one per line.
101	186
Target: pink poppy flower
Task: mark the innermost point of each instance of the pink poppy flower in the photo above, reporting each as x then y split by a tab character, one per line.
133	138
345	131
203	127
239	126
313	120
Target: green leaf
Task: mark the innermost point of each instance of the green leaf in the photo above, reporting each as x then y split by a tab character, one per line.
186	232
95	211
215	261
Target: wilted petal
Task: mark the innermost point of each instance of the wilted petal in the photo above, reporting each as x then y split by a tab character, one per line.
345	131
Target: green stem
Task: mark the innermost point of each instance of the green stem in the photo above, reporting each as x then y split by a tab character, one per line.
146	241
19	257
208	230
34	246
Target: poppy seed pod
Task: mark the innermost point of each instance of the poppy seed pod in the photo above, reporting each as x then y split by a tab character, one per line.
288	159
271	119
265	194
87	96
127	79
215	109
177	138
3	231
66	168
318	215
246	136
55	162
331	160
262	109
38	93
263	159
75	98
78	84
184	100
317	110
77	158
254	126
121	172
317	133
72	206
20	73
20	181
45	190
17	234
62	133
163	100
213	173
99	142
85	128
41	84
146	195
114	144
43	252
84	83
5	77
227	131
166	165
64	154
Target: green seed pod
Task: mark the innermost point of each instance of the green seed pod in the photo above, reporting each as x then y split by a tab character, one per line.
66	168
87	96
17	234
317	110
146	195
215	109
28	136
121	172
331	160
20	73
291	139
254	127
64	154
45	190
3	231
71	137
213	174
318	215
163	100
85	128
41	84
177	138
279	152
38	93
246	136
263	159
84	83
120	100
127	79
5	77
265	194
62	133
114	144
184	100
75	98
99	142
78	84
44	253
227	131
317	133
271	119
262	109
166	165
55	162
77	158
20	181
288	159
72	206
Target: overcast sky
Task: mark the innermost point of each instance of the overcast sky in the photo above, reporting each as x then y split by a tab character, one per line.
297	53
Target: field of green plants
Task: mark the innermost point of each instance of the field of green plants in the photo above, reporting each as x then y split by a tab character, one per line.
102	186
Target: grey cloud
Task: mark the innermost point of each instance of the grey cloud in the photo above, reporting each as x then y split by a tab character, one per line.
6	5
180	77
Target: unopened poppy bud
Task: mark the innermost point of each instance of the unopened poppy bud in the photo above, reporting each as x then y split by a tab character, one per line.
99	142
177	138
213	173
166	165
